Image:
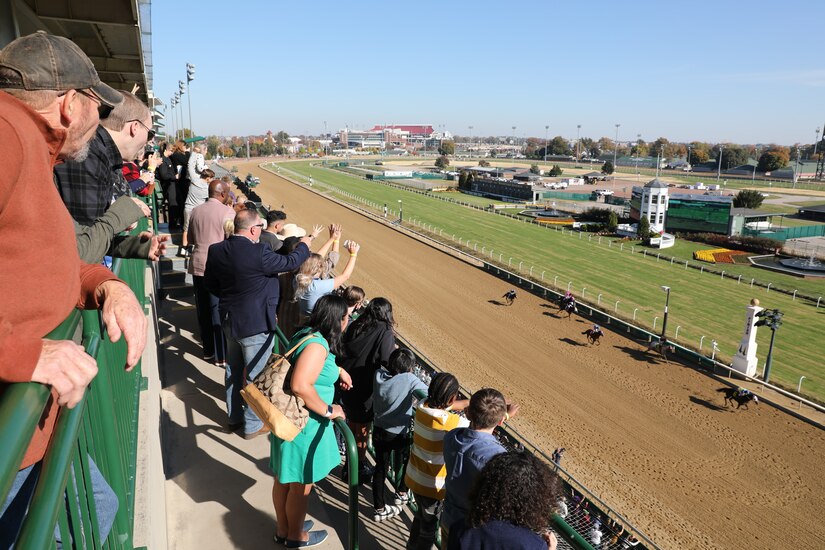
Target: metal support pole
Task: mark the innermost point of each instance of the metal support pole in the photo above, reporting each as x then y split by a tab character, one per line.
767	375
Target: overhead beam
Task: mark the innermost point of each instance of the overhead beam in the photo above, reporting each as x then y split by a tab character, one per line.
90	21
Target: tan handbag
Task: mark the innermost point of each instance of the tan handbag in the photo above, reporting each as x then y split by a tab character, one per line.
271	397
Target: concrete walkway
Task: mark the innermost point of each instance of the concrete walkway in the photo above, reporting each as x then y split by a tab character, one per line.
218	485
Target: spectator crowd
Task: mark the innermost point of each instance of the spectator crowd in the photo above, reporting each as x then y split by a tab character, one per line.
85	153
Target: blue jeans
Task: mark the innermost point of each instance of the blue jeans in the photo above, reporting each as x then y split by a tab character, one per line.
16	507
245	359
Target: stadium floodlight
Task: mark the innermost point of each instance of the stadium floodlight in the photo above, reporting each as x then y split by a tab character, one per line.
190	72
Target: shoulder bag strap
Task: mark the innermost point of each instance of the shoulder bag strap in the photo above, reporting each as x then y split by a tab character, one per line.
299	344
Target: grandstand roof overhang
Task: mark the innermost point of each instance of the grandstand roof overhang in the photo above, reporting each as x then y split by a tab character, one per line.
115	34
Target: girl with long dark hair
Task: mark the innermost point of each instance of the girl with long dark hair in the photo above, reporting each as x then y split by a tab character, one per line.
368	344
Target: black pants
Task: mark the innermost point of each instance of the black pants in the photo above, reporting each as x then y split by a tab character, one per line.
385	444
209	321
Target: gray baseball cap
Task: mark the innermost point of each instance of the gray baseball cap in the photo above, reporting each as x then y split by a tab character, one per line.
42	61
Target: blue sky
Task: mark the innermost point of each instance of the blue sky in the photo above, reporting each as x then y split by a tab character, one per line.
728	70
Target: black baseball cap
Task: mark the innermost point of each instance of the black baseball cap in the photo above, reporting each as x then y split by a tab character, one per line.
42	61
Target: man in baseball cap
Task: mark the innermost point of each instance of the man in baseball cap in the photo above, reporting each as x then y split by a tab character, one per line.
41	61
50	103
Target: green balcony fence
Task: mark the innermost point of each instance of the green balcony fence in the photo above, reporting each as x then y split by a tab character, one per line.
102	427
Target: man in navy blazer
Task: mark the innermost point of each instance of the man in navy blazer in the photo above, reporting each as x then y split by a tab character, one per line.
243	274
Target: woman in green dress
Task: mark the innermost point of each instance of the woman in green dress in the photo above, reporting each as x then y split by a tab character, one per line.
308	458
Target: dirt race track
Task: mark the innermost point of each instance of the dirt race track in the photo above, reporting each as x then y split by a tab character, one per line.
653	440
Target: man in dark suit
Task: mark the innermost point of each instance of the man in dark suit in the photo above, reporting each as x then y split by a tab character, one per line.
243	274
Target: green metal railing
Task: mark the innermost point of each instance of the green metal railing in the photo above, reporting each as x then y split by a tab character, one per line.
282	343
102	427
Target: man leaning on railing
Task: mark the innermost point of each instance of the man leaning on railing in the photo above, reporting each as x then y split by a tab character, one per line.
50	95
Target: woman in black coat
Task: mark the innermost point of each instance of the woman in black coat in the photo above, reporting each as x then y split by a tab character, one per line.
167	175
180	159
368	343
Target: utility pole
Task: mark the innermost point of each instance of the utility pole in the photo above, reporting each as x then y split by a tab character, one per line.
615	151
514	142
796	170
719	168
190	76
546	129
578	149
771	318
470	148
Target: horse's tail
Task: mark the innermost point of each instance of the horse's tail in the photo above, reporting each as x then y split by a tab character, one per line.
723	390
586	331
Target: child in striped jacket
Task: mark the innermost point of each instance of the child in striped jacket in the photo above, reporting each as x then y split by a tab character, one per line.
426	472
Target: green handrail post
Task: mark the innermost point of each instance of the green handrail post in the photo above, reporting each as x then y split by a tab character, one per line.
21	407
110	439
352	464
54	475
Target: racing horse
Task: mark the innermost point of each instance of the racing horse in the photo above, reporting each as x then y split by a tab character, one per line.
662	346
568	304
739	395
593	336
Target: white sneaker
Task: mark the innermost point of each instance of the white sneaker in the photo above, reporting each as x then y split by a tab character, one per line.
402	499
387	512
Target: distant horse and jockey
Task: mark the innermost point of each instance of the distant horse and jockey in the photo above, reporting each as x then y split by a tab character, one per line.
662	346
568	303
510	296
740	396
594	335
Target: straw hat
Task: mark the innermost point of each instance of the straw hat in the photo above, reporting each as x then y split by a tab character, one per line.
291	230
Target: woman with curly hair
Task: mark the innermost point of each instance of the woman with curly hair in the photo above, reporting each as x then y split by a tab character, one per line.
512	502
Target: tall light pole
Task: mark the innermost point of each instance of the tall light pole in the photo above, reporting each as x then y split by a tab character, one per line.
771	318
190	76
719	168
816	142
182	91
470	148
179	113
755	166
615	151
664	323
400	212
546	129
174	117
578	133
688	159
514	142
796	170
638	152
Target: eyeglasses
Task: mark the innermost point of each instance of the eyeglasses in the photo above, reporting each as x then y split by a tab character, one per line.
103	110
261	225
149	131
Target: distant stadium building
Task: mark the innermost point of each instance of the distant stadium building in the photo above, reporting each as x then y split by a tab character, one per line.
405	136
